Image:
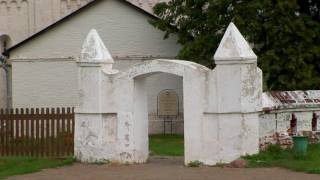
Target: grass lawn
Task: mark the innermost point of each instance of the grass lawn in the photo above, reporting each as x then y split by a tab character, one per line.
10	166
276	157
166	145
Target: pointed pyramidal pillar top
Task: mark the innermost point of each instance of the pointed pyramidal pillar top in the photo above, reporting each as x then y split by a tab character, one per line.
94	50
234	49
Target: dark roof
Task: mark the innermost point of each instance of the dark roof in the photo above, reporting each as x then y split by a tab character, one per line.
80	10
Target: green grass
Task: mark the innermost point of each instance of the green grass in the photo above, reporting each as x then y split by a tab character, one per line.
276	157
166	145
10	166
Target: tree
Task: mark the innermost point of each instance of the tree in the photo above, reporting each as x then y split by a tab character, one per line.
285	35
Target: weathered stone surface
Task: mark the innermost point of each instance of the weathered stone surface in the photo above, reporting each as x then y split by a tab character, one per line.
94	50
233	47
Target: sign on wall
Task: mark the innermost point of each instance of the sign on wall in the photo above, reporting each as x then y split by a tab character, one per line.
168	103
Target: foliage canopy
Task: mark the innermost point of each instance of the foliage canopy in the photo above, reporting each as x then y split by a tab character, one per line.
285	35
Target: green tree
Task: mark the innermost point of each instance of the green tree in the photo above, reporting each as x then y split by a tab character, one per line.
285	35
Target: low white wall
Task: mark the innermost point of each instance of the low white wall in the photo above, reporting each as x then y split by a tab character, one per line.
279	120
277	123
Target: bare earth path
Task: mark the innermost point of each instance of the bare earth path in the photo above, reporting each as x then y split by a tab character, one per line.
166	169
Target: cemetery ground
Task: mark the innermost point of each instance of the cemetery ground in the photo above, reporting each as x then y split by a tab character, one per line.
166	162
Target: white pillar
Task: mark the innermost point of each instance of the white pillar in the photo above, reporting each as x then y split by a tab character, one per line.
234	103
239	81
96	118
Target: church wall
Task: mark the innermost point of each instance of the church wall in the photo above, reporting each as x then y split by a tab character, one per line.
125	31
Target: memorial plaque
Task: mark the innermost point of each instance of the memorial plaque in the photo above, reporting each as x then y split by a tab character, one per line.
168	103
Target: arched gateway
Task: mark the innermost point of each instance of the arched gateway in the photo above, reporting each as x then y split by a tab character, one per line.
220	106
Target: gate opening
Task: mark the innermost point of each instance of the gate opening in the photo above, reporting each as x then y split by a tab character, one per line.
159	103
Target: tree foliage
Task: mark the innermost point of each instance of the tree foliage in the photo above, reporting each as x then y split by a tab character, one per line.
285	35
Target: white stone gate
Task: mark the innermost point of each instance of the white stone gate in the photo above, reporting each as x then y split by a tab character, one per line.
221	106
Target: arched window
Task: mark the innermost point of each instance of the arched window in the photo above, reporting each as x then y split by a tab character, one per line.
314	121
5	42
5	45
293	124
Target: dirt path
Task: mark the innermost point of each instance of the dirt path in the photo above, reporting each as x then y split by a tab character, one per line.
159	168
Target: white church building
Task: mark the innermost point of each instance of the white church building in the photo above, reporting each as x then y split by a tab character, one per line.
44	70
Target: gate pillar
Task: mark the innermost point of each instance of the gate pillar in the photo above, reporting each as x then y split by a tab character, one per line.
231	126
95	117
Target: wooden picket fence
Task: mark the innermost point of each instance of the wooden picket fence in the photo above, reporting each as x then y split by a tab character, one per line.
37	132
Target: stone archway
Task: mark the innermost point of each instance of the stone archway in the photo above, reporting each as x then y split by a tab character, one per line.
193	75
221	106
